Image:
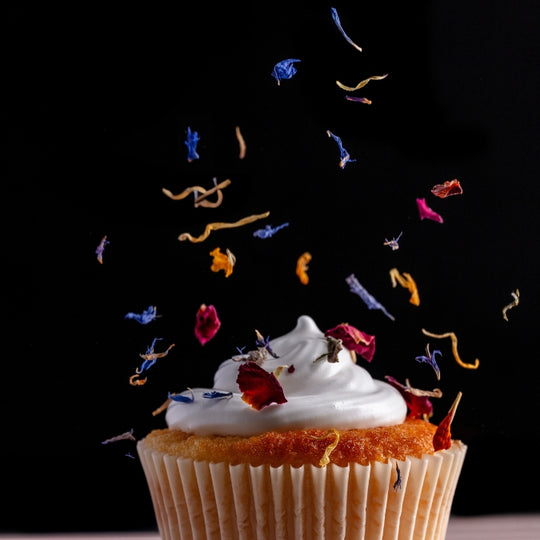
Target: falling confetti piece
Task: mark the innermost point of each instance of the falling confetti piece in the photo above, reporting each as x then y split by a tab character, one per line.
442	439
241	143
335	17
454	339
207	323
511	304
344	155
222	261
426	212
406	281
354	340
394	243
101	248
191	143
361	84
429	358
220	225
128	435
200	194
145	317
359	99
369	300
447	189
259	387
302	267
284	69
269	231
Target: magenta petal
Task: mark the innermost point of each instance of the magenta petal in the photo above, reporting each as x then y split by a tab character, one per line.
426	212
207	323
354	340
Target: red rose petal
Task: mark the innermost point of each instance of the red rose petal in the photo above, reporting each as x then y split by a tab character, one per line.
260	388
207	323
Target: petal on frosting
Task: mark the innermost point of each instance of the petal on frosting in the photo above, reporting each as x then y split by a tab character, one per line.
354	340
260	388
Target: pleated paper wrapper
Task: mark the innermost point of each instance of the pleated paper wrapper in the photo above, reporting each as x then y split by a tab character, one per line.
202	500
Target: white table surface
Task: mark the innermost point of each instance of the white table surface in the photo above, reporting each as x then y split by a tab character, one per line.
488	527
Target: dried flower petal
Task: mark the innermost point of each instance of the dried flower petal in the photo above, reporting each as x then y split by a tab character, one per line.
269	231
191	143
325	460
442	439
222	261
407	282
101	248
128	435
241	143
344	155
216	394
397	484
259	387
335	17
361	84
429	358
354	340
417	401
368	299
512	304
359	99
454	339
448	188
145	317
207	323
181	398
302	267
426	212
284	69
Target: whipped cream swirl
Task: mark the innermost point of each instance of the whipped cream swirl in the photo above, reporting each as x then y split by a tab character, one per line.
320	394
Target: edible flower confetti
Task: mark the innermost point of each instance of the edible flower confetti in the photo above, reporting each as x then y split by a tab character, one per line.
397	484
426	212
354	340
394	242
191	143
454	339
511	304
259	387
359	99
343	154
221	225
333	347
429	358
217	394
269	231
147	316
325	460
101	248
361	84
335	17
417	400
201	194
406	281
302	267
127	436
442	439
241	143
180	398
284	69
207	323
369	300
222	261
447	189
150	358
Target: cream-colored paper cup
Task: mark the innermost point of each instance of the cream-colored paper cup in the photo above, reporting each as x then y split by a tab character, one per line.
199	500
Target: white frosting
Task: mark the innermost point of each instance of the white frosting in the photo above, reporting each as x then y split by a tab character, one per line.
321	394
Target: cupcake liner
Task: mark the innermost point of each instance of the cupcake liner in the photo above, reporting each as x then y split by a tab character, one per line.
199	500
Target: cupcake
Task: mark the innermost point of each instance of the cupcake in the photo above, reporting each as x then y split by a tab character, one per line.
297	440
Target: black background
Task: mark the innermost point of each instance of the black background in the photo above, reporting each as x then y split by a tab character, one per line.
99	102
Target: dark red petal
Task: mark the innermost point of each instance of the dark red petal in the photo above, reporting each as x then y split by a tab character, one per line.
259	387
